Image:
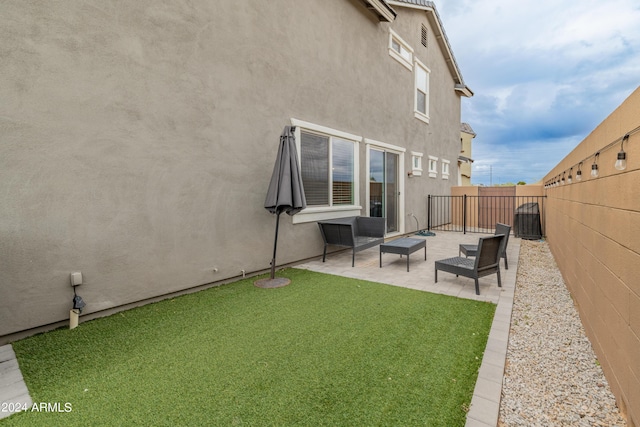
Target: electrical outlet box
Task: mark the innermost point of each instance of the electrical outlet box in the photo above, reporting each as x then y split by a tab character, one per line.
76	279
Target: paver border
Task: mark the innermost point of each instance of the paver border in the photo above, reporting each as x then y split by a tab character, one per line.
13	390
485	403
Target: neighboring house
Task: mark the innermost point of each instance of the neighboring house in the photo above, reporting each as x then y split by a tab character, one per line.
465	158
138	139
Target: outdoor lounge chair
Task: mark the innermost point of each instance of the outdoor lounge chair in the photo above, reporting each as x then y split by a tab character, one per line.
487	261
358	233
472	250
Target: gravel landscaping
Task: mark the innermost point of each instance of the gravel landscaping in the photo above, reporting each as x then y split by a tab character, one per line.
552	376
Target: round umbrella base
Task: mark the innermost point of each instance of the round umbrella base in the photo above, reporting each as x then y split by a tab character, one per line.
278	282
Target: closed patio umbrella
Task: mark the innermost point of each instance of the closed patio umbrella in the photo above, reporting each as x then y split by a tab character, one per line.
285	194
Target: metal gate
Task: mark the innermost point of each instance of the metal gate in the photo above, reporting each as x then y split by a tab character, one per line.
479	214
495	204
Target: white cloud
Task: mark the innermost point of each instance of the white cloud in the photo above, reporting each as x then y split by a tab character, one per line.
545	73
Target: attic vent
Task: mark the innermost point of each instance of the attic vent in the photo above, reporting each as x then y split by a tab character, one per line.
424	36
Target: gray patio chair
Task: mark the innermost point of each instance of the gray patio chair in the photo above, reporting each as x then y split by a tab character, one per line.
487	261
358	233
472	250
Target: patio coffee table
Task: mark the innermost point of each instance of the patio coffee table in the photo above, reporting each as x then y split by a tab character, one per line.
404	246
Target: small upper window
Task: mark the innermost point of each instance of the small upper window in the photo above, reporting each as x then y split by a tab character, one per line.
445	169
433	166
400	50
416	163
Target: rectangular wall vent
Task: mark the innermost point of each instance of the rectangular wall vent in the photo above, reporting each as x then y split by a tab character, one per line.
424	36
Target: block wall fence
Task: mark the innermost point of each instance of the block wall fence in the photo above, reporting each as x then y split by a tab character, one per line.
593	230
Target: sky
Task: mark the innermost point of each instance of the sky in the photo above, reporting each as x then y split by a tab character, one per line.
545	73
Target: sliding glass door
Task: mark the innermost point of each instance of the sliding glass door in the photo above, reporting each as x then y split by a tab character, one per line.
383	186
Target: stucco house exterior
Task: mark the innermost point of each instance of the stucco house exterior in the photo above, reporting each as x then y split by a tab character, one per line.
138	139
465	159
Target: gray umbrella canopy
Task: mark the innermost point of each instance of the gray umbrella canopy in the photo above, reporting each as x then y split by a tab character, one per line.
285	194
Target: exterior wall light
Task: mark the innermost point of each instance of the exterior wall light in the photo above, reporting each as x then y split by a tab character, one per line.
570	178
594	166
579	173
621	163
562	181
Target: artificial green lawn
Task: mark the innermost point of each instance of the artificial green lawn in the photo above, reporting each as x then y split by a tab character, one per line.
324	350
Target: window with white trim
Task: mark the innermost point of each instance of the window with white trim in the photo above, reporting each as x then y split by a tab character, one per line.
400	50
416	163
327	164
445	169
421	107
433	167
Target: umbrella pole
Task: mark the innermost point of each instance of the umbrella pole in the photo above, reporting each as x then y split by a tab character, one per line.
272	282
275	247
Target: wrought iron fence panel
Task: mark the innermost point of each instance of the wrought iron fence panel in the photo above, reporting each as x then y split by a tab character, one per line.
479	214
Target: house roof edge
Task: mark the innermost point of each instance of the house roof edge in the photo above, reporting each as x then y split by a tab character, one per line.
381	9
466	128
430	8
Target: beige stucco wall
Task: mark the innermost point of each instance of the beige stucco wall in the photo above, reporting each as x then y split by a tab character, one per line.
138	138
593	229
465	150
465	174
